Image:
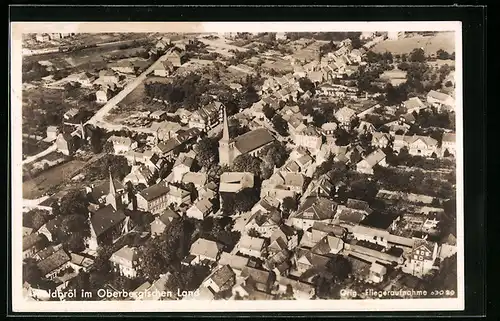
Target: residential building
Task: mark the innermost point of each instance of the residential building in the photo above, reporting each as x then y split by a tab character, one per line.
234	182
165	69
380	140
236	262
328	245
300	289
249	143
416	145
158	115
182	166
101	96
370	234
220	280
154	199
54	264
306	260
345	115
197	179
97	193
122	145
203	249
200	209
207	117
413	104
33	243
422	258
251	246
162	221
178	196
314	209
264	223
283	184
176	57
375	158
125	261
65	144
52	133
310	138
440	100
449	144
141	174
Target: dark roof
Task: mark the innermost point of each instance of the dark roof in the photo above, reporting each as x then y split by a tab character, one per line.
106	218
223	275
379	220
357	204
351	215
31	240
259	276
252	140
54	224
53	262
321	208
45	253
103	189
167	216
155	191
168	145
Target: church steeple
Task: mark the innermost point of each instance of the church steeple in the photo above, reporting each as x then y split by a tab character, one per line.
225	145
225	129
82	131
112	198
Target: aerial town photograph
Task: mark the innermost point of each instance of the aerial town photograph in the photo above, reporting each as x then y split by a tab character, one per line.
239	166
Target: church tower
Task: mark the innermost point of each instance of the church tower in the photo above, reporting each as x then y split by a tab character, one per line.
225	144
113	198
82	131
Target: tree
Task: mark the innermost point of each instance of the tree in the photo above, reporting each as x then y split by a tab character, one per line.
275	154
207	152
417	55
443	55
289	204
253	233
73	203
246	199
280	125
269	112
247	163
324	167
31	272
448	84
108	148
307	85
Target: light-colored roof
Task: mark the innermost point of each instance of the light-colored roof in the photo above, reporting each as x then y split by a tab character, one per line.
449	138
251	243
125	256
369	231
204	205
413	102
234	181
234	261
206	248
197	179
439	96
125	141
345	113
374	158
378	268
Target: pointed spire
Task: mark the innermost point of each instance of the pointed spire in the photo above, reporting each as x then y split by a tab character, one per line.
112	189
225	129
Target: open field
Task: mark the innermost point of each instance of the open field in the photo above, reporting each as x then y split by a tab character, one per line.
445	41
36	187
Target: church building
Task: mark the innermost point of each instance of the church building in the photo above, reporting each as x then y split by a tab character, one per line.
249	143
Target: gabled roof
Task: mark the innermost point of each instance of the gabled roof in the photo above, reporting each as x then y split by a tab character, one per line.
103	189
252	243
345	113
168	216
439	96
126	256
203	205
253	139
155	191
413	103
223	276
53	262
234	261
106	218
320	208
32	240
195	178
206	248
374	158
259	276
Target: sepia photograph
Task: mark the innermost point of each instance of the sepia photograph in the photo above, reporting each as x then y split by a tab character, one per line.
243	166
